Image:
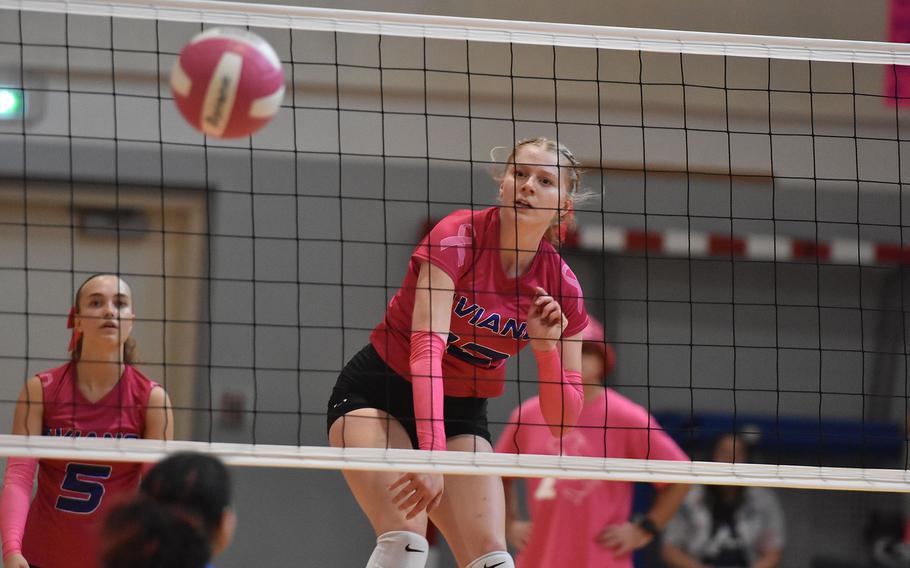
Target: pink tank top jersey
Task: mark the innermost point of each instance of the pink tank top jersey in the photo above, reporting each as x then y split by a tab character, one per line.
568	515
489	309
73	495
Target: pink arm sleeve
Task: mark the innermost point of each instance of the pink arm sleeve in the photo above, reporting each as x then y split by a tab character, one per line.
17	497
561	393
427	349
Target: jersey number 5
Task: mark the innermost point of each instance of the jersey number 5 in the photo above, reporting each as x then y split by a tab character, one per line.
86	480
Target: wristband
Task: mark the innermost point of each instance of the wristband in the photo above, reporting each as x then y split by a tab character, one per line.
646	524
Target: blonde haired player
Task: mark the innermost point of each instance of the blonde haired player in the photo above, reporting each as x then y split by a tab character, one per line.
98	393
480	286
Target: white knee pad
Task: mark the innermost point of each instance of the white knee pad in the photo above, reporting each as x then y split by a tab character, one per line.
498	559
399	549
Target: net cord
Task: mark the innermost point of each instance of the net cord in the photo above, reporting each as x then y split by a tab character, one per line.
467	463
483	30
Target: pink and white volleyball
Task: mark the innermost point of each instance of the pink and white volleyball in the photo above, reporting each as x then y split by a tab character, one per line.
227	83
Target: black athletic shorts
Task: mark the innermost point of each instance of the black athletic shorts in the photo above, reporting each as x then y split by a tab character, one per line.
367	382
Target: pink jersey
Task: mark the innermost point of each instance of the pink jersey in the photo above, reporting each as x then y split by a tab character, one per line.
73	495
567	515
489	310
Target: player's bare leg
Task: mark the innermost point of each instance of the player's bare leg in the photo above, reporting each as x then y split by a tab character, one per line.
472	514
400	541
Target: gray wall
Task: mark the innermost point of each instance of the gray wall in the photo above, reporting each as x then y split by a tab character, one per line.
306	245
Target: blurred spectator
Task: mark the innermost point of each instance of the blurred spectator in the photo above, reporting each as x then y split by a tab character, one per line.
726	526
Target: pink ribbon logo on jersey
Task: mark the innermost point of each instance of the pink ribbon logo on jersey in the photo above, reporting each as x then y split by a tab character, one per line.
460	241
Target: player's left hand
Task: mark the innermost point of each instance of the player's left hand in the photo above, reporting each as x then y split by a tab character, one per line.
518	533
546	321
624	538
15	561
417	492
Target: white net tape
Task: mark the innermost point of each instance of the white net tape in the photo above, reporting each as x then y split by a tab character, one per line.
472	29
468	463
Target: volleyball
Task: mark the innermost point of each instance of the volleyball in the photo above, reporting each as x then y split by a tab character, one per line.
227	83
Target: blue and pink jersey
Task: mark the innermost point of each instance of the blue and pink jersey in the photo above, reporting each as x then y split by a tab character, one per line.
567	515
72	494
489	309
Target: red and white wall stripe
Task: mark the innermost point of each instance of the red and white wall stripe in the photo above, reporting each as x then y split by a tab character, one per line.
677	243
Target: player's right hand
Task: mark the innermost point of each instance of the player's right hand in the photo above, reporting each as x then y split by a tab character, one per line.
518	533
15	561
546	321
417	492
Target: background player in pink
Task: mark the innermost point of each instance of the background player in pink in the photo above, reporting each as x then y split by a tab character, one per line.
480	286
98	393
586	523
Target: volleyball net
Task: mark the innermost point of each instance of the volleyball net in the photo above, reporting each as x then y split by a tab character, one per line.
745	250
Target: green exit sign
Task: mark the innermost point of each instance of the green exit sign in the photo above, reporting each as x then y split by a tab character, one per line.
12	103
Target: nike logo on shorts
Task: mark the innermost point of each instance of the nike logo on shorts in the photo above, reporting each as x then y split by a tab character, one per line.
485	565
409	549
